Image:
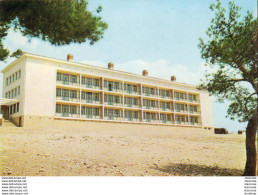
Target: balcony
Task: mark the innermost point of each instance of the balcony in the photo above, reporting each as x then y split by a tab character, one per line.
194	101
150	121
76	84
65	98
113	103
112	89
131	105
66	114
131	119
90	101
90	86
132	92
165	109
194	112
90	116
113	118
150	108
181	111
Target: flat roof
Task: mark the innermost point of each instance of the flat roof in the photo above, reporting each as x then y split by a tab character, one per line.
94	67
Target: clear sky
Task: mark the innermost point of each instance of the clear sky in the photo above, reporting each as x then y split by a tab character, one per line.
158	35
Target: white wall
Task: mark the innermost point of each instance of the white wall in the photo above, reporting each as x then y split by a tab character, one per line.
206	110
39	88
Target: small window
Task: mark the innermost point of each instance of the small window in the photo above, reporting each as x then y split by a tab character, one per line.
58	108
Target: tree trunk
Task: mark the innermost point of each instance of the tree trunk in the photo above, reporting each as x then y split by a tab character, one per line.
250	143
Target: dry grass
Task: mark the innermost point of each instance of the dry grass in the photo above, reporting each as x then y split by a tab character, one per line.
128	152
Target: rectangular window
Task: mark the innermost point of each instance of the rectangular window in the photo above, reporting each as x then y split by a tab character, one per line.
73	93
59	76
13	77
96	97
6	81
18	92
65	93
65	77
15	92
83	80
58	108
58	92
16	75
96	82
83	110
19	74
73	78
73	109
65	108
96	111
83	95
18	107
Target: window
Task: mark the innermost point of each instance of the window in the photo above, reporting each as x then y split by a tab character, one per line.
16	75
19	74
73	93
89	111
58	92
83	80
65	93
72	109
18	92
83	110
15	92
83	95
135	88
65	108
6	81
96	82
73	78
65	77
117	99
96	111
13	77
117	113
89	95
58	108
18	107
59	76
96	97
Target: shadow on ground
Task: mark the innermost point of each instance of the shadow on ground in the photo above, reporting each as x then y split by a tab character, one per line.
197	170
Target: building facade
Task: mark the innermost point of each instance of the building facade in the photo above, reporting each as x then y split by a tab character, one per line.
48	89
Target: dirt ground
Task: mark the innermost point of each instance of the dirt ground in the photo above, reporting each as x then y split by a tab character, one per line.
126	152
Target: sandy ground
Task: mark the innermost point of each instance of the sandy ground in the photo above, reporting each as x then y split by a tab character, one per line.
126	152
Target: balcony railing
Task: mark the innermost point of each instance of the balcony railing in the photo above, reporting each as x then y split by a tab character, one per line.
66	114
132	92
194	112
90	116
131	119
113	103
90	101
150	107
67	98
113	118
91	86
113	89
77	84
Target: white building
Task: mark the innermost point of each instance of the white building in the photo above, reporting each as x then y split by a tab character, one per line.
47	90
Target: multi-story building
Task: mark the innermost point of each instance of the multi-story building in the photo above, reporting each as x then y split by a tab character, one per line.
47	89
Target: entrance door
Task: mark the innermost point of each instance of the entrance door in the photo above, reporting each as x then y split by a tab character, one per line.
5	111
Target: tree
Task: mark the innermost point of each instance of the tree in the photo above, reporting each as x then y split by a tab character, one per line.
231	48
59	22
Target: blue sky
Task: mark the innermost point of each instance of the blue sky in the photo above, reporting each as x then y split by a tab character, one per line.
158	35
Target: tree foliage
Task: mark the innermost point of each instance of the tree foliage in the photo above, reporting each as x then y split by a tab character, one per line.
59	22
232	50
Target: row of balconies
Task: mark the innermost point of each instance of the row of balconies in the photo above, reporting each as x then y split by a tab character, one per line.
133	92
126	119
131	106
